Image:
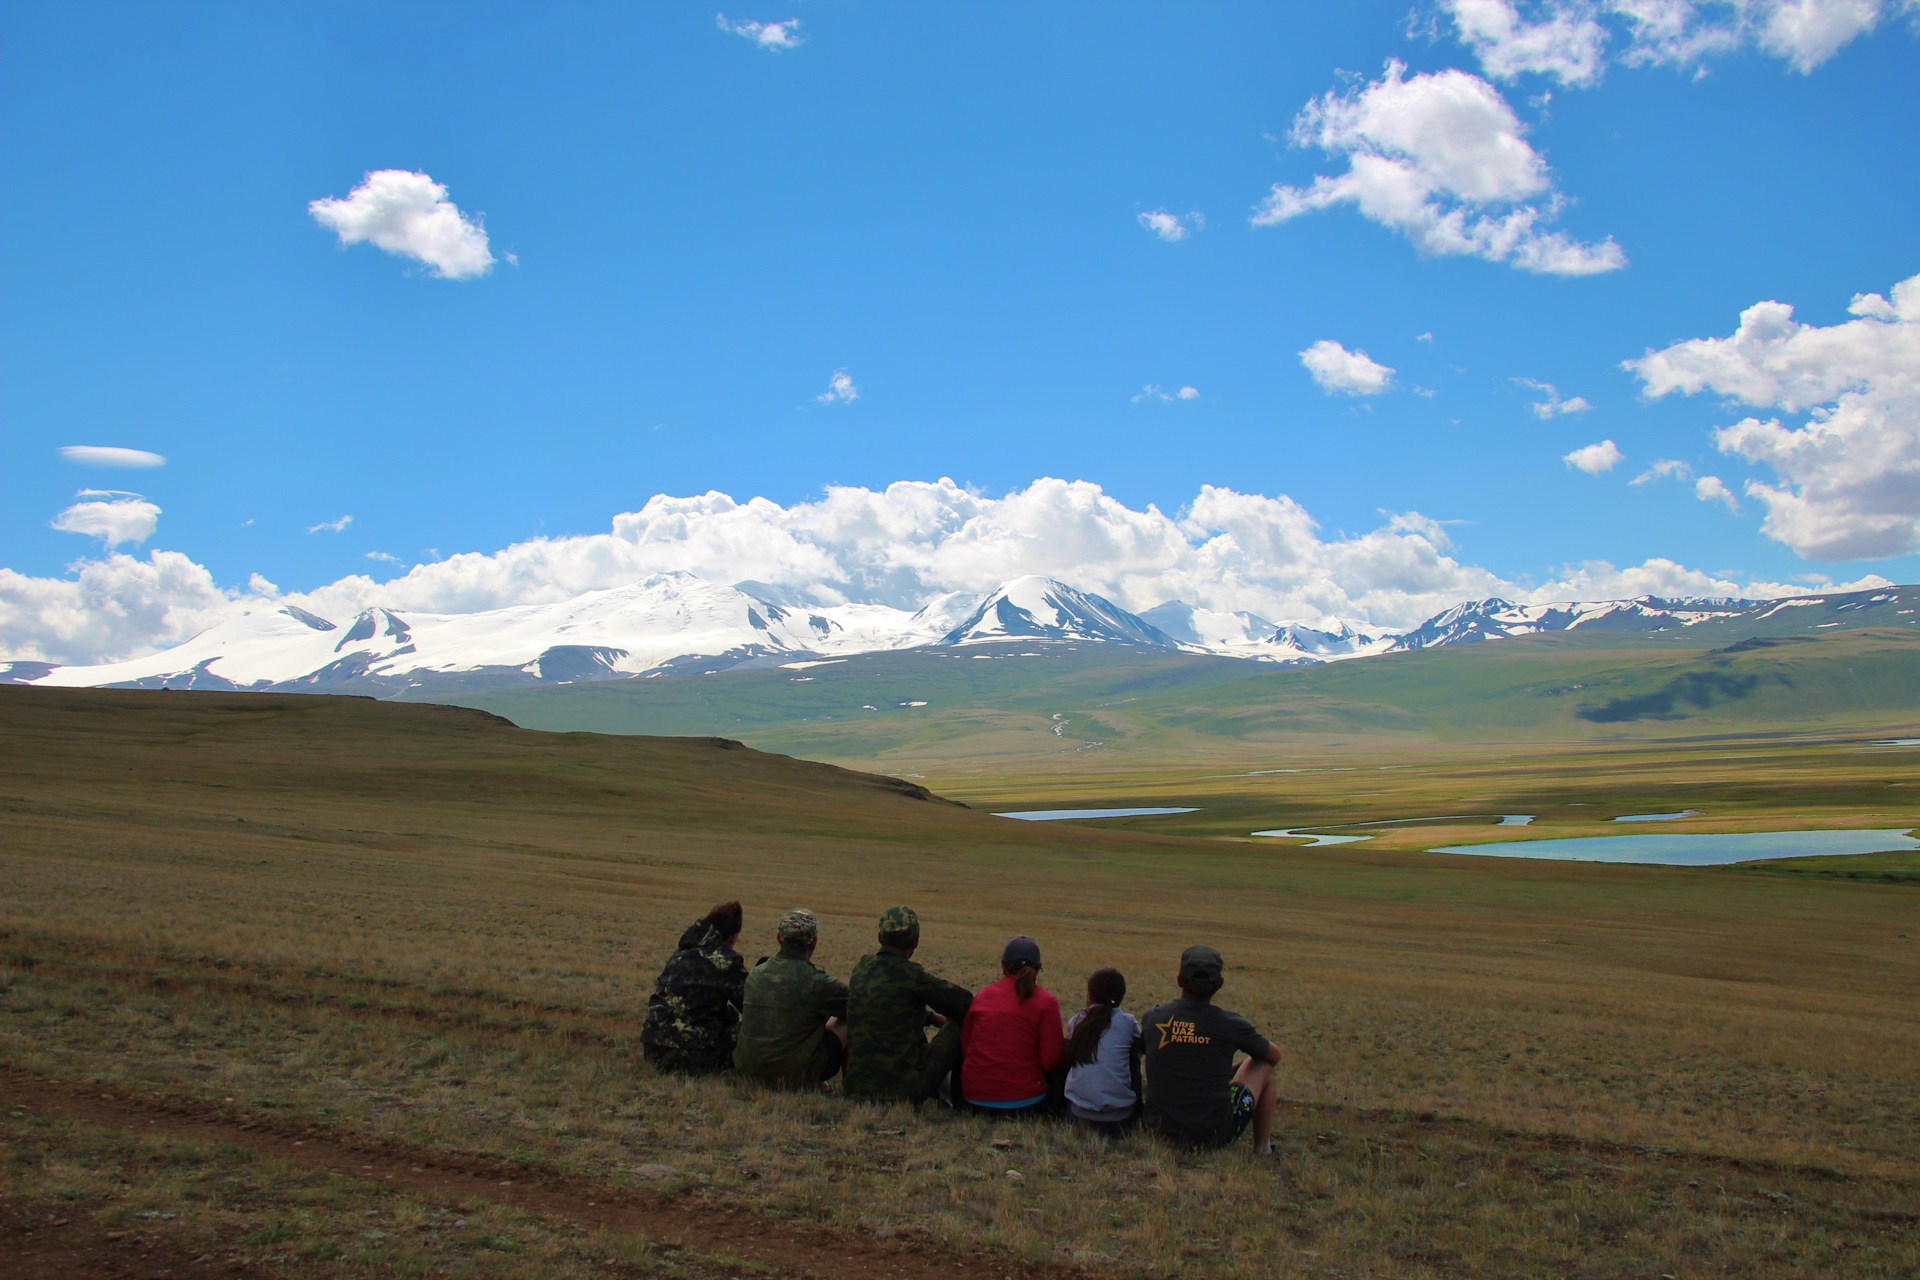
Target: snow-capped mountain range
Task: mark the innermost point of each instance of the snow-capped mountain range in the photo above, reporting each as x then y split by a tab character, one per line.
676	622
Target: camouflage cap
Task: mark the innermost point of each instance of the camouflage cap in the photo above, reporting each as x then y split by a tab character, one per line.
900	923
799	927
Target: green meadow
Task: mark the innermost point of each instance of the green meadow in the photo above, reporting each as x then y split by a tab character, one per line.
1086	709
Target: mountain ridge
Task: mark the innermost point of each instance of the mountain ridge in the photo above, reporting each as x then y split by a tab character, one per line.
677	623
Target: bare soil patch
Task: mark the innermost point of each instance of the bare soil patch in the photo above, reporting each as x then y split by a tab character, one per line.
48	1240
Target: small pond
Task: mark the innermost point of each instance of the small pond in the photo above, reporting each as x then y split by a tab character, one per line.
1697	850
1659	817
1316	840
1062	815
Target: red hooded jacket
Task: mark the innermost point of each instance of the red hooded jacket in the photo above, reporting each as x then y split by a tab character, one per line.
1008	1045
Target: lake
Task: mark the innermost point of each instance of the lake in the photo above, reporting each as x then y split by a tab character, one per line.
1312	833
1697	850
1062	815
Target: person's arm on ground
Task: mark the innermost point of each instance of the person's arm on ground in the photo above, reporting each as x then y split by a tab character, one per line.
948	999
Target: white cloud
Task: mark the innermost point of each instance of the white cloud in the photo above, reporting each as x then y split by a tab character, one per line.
1684	33
772	36
1808	32
1351	373
1424	337
1663	469
101	455
1172	227
384	557
1188	393
1713	489
114	521
1553	406
1567	43
408	214
897	546
111	608
1153	391
1595	458
840	389
1439	158
334	525
1850	476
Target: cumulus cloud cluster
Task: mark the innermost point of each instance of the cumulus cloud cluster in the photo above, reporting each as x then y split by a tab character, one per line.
898	546
1565	42
1440	158
1567	39
1849	476
1336	369
409	215
112	607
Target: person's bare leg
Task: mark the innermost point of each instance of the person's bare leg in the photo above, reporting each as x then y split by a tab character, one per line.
838	1028
1257	1076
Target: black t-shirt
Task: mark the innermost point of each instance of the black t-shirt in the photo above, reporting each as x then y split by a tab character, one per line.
1189	1064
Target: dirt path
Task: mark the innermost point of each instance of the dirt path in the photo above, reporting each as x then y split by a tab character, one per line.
701	1223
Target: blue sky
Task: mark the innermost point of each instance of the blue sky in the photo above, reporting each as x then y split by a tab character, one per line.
692	232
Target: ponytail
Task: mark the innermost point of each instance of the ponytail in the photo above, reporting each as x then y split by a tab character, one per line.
1106	989
1025	979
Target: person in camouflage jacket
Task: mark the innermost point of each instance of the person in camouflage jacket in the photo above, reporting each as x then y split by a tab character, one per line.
694	1012
792	1018
890	1003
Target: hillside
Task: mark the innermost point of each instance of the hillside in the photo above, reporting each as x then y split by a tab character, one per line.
931	709
227	767
330	972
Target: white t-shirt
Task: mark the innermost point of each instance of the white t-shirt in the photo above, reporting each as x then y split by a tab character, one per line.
1103	1088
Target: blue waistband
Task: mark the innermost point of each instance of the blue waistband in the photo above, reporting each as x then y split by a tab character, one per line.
1007	1106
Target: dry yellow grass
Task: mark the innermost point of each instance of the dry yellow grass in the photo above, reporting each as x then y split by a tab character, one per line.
440	928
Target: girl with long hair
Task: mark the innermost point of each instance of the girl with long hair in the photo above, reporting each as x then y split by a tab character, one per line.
1103	1057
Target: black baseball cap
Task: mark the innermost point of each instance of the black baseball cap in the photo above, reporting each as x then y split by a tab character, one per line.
1020	950
1201	962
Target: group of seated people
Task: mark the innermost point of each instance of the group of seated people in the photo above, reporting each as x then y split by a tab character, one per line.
1000	1051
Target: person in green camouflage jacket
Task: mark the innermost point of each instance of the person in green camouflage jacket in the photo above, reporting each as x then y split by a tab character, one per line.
890	1003
694	1012
792	1019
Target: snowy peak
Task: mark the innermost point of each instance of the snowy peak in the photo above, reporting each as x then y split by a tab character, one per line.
1331	639
1248	635
1208	628
1497	619
1034	608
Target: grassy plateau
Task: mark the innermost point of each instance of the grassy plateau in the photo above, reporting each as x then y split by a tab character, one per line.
425	931
1080	708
